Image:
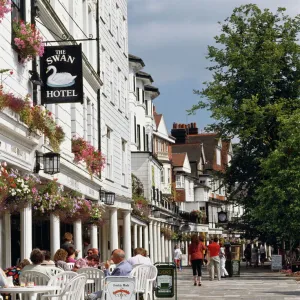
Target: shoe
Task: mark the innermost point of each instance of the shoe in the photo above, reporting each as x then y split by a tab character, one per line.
223	276
195	283
199	284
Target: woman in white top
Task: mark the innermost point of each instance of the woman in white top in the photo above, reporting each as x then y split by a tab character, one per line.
177	256
224	272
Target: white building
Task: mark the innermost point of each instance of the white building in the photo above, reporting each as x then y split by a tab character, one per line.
76	20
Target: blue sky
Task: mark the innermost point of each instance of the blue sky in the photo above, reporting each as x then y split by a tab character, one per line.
172	36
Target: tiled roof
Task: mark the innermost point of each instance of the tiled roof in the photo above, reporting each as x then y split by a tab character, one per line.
193	150
178	159
136	59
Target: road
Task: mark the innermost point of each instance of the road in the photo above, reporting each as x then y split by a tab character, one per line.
253	284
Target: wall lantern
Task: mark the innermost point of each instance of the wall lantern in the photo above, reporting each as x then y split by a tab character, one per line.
51	162
170	219
185	228
35	78
107	198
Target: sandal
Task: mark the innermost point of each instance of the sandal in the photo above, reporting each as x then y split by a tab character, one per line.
199	283
195	283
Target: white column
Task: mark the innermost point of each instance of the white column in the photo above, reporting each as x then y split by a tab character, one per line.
77	235
141	236
100	242
163	253
186	247
146	239
26	232
170	251
54	233
94	236
158	243
151	232
104	242
7	240
127	233
155	246
135	236
113	233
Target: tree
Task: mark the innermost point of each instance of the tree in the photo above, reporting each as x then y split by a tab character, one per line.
255	87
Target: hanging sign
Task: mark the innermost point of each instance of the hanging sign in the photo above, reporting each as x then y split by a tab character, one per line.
61	73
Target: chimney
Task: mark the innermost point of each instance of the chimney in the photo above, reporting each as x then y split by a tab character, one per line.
179	132
193	128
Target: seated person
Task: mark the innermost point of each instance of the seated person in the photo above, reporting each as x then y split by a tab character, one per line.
139	257
60	258
15	271
71	255
82	262
123	268
91	261
47	260
37	257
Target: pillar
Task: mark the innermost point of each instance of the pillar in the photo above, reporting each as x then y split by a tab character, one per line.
54	233
170	251
163	253
104	242
26	232
100	228
135	236
151	232
155	245
141	236
158	242
7	241
77	236
113	233
127	233
94	236
146	239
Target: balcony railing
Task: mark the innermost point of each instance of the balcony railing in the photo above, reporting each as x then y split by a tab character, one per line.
162	155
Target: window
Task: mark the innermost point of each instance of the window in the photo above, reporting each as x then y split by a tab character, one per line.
117	24
135	129
146	106
139	137
112	89
147	142
137	94
190	188
144	138
108	153
162	179
179	182
133	82
169	175
143	97
218	157
17	13
124	165
89	121
119	89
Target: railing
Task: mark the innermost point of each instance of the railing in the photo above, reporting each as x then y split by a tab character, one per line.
162	155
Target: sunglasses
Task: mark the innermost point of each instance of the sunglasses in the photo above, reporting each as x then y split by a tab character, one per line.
90	253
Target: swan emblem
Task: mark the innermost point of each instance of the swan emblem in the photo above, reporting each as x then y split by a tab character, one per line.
62	79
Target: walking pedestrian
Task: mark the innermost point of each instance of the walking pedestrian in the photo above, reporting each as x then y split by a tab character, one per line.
262	251
247	255
214	250
195	253
177	256
224	272
254	256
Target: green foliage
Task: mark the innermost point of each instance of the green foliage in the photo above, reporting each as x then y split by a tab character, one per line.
253	93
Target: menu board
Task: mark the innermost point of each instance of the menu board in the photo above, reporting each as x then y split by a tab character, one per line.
165	282
276	263
235	267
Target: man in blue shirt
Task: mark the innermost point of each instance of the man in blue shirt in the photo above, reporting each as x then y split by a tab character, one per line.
123	268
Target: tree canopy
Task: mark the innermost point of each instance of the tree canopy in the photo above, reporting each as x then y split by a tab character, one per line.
254	96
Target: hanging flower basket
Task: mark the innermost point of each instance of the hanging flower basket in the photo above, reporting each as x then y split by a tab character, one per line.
28	40
5	7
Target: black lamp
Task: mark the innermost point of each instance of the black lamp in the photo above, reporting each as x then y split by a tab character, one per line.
185	228
156	213
35	78
107	198
51	162
170	219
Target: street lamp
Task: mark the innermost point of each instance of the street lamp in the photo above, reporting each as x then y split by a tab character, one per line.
107	198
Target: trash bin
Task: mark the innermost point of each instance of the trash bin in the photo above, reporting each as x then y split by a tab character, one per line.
232	254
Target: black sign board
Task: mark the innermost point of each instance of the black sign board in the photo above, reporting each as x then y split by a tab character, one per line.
61	73
165	281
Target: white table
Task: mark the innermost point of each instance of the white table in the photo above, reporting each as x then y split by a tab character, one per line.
32	291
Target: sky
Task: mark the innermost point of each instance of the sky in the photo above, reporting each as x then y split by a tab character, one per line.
171	36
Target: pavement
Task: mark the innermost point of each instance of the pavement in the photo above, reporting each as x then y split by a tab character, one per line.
253	284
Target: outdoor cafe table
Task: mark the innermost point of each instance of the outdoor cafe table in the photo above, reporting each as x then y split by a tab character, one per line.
32	291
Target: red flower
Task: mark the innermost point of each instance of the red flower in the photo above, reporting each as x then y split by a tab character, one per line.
11	72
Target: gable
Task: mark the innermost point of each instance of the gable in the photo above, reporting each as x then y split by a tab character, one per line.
162	128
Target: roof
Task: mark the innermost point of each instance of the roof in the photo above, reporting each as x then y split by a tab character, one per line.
178	159
136	59
157	118
193	150
144	75
151	88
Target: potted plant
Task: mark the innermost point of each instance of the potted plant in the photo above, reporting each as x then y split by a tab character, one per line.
5	7
28	40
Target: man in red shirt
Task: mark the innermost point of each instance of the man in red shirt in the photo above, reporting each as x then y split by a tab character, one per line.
214	264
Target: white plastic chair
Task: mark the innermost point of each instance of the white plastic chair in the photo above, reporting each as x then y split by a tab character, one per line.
95	276
38	278
61	280
71	266
54	270
145	276
72	291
